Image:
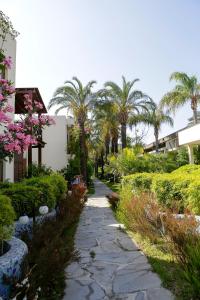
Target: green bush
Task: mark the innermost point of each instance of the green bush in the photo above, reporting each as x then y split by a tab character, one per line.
37	171
59	185
189	169
7	216
46	188
178	190
139	181
170	190
25	199
193	196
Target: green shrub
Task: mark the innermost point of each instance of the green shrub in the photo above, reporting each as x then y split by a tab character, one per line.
25	199
193	196
59	185
37	171
189	169
46	188
170	190
139	181
182	157
5	185
178	190
7	216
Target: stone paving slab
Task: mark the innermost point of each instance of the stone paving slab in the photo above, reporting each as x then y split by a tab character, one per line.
111	266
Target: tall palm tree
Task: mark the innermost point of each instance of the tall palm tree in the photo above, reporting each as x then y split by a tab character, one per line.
186	89
127	101
78	99
155	117
105	119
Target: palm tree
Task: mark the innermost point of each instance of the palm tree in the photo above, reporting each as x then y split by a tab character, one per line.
78	99
105	119
186	89
155	117
126	101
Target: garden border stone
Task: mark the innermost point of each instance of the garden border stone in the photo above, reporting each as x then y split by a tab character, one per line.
10	264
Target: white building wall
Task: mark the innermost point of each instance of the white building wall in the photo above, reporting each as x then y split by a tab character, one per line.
189	135
54	154
9	47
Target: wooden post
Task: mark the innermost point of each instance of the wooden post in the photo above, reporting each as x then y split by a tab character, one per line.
30	161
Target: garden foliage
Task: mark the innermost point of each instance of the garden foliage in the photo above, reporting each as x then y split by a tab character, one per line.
50	250
178	190
7	216
28	195
141	213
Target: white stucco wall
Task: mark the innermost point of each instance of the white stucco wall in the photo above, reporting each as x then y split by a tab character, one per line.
54	154
9	47
190	135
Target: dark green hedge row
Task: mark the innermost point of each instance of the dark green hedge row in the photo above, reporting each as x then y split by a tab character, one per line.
30	194
179	189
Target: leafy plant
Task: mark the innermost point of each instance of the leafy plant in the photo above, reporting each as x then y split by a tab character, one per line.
37	171
7	216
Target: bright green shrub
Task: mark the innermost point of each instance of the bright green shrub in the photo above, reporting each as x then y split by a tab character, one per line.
24	198
189	169
139	181
170	189
59	185
193	196
7	216
46	188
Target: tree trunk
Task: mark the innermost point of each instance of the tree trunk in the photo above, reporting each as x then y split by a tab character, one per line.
113	146
123	135
116	144
194	108
156	138
102	165
96	166
83	152
107	145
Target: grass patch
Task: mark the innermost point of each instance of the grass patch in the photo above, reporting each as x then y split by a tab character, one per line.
115	187
91	189
165	266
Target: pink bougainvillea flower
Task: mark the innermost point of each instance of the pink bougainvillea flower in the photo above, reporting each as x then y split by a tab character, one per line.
9	108
1	97
7	62
4	118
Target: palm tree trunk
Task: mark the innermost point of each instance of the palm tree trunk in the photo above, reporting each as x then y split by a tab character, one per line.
156	138
113	145
96	166
194	108
116	144
123	135
107	145
83	152
102	165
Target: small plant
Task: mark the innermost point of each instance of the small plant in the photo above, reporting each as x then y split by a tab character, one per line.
92	254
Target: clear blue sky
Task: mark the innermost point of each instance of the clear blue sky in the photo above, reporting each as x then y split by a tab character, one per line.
104	39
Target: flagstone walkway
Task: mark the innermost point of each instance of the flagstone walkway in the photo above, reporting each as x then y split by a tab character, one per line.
111	266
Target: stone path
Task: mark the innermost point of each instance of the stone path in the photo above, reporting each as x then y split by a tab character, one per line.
111	266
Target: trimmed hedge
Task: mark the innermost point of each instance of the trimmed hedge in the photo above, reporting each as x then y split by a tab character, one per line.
32	193
178	190
7	216
139	181
24	198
